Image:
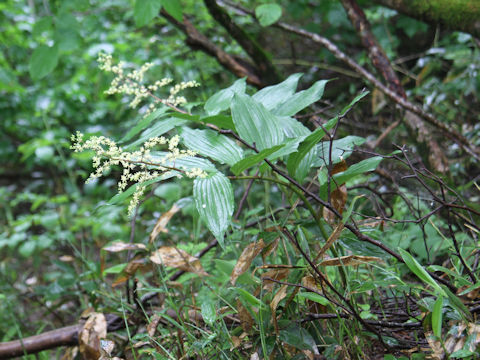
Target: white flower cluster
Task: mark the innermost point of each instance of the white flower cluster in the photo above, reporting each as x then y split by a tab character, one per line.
138	166
131	84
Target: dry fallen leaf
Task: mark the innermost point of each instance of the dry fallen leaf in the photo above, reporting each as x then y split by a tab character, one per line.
281	293
270	248
118	246
246	319
160	226
152	326
276	274
106	348
94	329
350	260
236	341
135	265
456	340
66	258
333	237
178	259
245	259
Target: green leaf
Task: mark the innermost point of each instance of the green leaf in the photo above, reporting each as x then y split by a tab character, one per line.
27	248
268	14
297	337
208	312
213	197
421	273
173	8
221	100
146	10
341	149
249	298
67	39
144	122
222	121
313	297
275	95
42	25
254	159
437	317
116	269
182	163
292	127
254	123
456	302
301	100
339	179
210	143
44	59
307	145
348	213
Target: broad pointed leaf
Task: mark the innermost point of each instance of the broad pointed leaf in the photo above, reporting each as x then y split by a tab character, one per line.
311	140
339	179
211	144
255	124
214	202
221	100
254	159
301	100
273	96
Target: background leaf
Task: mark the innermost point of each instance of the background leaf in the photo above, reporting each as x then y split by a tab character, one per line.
174	8
146	10
267	14
44	59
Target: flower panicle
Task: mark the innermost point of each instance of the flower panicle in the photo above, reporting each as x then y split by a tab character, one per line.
138	166
131	83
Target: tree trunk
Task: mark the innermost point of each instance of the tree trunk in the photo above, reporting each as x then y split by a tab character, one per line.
460	15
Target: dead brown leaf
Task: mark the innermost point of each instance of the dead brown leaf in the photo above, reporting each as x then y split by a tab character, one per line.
245	259
246	319
236	341
118	246
160	226
94	329
281	294
350	260
333	237
152	326
106	348
135	265
270	248
178	259
276	274
310	282
66	258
